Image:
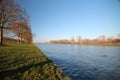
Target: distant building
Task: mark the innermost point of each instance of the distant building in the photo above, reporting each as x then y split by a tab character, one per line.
9	40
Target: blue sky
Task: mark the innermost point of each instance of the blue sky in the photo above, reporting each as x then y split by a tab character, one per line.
61	19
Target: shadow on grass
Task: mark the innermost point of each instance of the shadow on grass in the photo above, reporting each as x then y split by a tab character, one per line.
21	69
5	45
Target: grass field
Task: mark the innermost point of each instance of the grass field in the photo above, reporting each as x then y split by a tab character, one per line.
27	62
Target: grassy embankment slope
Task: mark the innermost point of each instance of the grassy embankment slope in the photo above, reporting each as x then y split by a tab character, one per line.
27	62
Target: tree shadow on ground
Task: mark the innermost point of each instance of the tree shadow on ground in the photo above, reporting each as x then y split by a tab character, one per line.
22	69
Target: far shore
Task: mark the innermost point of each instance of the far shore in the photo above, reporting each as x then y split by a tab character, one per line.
105	44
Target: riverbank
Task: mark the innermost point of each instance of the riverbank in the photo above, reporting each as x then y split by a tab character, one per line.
27	62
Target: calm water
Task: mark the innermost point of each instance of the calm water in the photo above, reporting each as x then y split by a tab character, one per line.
85	62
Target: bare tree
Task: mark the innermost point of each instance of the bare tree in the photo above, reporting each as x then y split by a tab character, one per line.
22	31
27	35
78	39
102	38
9	13
110	39
118	35
72	40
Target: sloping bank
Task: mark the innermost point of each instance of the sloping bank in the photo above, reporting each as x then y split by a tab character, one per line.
27	62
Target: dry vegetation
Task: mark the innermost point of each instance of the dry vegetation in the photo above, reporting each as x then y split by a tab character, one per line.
14	21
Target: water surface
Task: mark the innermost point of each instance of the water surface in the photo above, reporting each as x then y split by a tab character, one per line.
85	62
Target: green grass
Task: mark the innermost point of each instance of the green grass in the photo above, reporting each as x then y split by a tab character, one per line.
27	62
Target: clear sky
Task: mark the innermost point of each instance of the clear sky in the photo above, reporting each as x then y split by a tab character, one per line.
61	19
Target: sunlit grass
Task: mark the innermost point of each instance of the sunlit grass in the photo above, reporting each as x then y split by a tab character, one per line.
26	62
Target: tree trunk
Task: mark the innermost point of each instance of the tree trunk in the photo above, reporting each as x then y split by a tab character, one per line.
1	34
21	38
18	40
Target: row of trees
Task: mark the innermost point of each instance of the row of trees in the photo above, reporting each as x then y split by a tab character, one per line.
15	21
63	41
100	40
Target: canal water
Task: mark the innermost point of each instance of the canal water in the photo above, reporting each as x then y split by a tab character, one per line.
85	62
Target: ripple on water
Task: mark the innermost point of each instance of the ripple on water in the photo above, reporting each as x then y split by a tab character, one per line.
85	62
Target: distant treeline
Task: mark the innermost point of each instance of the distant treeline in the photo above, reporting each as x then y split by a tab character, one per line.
64	41
100	40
